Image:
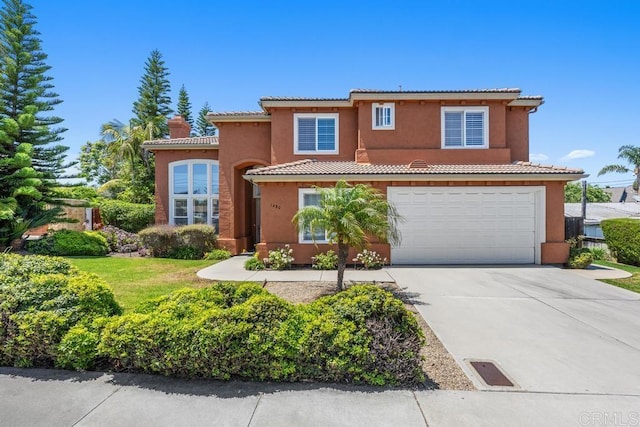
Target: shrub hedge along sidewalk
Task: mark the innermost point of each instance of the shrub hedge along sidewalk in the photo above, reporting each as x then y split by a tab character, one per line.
53	315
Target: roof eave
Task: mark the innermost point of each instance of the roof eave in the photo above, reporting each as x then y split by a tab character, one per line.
290	103
435	96
526	103
159	147
234	118
565	177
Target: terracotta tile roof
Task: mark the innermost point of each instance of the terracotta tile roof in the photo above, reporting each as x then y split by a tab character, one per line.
314	167
503	90
179	142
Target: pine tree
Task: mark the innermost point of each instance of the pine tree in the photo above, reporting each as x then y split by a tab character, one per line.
29	163
153	95
184	106
203	127
24	83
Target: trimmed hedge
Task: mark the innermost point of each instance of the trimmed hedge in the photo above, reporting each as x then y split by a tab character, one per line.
130	217
70	243
41	299
362	335
623	239
184	242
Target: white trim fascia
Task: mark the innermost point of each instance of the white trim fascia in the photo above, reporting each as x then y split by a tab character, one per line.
416	177
390	105
238	118
436	96
465	109
334	116
526	103
160	147
284	103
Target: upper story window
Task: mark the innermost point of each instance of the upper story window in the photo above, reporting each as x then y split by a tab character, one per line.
383	116
194	192
315	133
465	127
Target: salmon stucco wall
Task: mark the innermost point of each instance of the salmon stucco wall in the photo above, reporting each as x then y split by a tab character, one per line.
163	158
242	146
280	203
282	125
418	135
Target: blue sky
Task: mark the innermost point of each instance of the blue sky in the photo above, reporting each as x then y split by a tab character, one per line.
582	56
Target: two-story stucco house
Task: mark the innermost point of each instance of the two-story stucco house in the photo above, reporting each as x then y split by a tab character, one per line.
455	164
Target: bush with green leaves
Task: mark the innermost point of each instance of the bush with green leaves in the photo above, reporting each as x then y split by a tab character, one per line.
41	299
281	258
325	261
362	335
185	242
370	260
70	243
131	217
254	263
599	254
623	239
217	255
581	260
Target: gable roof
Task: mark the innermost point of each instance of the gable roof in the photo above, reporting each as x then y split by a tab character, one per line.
183	143
314	170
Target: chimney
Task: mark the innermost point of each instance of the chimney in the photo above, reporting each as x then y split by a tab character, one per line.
179	128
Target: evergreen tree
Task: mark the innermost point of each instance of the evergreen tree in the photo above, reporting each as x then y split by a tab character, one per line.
184	106
153	95
203	127
29	163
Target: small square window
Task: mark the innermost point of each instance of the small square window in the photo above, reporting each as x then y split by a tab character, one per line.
383	116
310	197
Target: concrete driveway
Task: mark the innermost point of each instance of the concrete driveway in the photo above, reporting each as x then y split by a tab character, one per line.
550	330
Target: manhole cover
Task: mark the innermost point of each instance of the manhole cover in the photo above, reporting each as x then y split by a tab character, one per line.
491	374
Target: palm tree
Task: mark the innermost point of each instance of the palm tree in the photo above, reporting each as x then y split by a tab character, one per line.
631	154
349	215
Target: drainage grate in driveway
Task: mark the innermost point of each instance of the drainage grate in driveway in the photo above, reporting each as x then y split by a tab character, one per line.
491	374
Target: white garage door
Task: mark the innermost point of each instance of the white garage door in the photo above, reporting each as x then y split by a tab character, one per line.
469	225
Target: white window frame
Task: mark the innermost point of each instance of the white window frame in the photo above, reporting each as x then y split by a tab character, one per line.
316	116
190	197
301	194
464	110
385	105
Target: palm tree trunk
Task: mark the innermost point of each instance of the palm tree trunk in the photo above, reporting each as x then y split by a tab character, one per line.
343	252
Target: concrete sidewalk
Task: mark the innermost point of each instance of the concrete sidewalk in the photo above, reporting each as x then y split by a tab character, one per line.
33	397
233	269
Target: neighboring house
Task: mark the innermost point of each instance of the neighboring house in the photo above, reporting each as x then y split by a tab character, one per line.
622	194
455	164
596	212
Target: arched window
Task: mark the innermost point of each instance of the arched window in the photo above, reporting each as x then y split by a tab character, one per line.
194	192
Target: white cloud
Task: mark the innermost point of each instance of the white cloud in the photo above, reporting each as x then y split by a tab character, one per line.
538	157
578	154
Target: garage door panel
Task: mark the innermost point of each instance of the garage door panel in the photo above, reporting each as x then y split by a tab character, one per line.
465	226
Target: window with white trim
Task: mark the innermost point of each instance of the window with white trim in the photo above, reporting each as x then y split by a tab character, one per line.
315	133
194	192
383	116
465	127
310	197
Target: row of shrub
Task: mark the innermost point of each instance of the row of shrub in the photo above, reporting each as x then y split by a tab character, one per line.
41	299
53	315
187	242
623	239
129	217
281	258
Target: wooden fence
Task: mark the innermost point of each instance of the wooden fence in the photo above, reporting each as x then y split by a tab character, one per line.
573	227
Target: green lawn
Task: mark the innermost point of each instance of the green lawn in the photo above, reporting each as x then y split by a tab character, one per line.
134	280
631	283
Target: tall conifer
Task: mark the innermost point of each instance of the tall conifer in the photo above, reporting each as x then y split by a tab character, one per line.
154	100
184	106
